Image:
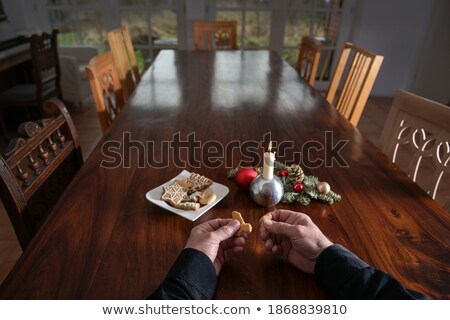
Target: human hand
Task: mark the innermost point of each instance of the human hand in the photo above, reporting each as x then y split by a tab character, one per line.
216	238
295	237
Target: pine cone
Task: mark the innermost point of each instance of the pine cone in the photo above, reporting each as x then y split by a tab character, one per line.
295	173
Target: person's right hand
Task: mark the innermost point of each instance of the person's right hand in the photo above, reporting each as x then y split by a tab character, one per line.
295	237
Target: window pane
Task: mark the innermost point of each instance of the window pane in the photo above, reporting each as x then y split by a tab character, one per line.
257	29
297	26
164	24
83	2
320	24
290	55
136	22
58	2
92	27
232	16
258	3
335	4
65	23
132	2
230	4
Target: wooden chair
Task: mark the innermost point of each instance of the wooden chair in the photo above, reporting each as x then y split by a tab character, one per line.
417	132
36	168
215	35
360	75
106	88
308	59
46	75
125	59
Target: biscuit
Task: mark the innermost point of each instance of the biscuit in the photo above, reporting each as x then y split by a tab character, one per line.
188	206
262	227
184	183
245	227
206	196
198	182
175	194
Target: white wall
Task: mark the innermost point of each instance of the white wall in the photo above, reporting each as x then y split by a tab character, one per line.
432	75
395	29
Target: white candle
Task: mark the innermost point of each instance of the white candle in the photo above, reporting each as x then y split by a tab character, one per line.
269	158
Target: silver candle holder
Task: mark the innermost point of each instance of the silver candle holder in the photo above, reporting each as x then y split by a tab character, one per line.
266	193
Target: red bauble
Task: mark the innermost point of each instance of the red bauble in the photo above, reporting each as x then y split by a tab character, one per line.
244	177
283	173
298	187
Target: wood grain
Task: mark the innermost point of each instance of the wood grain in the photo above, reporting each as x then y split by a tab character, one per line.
104	240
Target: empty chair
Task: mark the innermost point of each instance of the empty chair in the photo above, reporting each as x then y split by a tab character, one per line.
361	68
125	59
46	75
215	35
73	61
416	136
36	168
106	88
45	72
308	59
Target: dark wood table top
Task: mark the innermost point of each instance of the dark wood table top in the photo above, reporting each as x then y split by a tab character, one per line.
104	240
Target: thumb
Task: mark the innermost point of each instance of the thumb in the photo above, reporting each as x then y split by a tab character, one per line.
281	228
227	231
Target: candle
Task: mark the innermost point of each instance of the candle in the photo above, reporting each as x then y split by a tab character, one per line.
269	158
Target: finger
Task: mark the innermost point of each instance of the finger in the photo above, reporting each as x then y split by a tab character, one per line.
268	244
264	235
217	223
226	231
282	228
289	216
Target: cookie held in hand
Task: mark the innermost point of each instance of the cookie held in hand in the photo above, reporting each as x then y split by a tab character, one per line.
245	227
262	227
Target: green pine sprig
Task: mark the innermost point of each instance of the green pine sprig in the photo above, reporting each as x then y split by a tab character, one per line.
290	195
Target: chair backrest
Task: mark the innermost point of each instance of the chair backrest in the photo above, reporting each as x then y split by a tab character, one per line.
125	59
215	35
417	133
106	88
308	59
36	168
46	69
360	73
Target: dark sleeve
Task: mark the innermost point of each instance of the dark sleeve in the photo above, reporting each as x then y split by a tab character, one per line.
345	276
192	276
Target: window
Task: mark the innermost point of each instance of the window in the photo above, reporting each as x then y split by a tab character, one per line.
152	23
253	18
318	18
78	21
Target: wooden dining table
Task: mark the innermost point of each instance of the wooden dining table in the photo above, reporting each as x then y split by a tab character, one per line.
208	112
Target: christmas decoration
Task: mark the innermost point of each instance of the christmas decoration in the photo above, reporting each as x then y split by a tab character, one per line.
283	173
298	187
244	177
295	173
309	183
323	187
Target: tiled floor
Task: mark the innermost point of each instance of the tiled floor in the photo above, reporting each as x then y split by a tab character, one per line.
371	125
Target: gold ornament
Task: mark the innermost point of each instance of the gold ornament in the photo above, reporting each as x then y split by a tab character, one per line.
323	187
295	173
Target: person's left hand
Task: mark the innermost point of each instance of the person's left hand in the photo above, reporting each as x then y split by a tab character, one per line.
216	238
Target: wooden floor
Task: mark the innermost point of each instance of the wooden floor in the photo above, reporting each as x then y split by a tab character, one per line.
371	125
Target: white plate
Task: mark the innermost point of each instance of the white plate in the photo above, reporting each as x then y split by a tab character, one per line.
154	196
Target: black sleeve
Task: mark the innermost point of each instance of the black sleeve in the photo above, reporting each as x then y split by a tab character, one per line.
345	276
192	276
